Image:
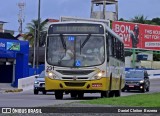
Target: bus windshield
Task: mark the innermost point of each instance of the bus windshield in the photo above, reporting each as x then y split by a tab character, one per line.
75	50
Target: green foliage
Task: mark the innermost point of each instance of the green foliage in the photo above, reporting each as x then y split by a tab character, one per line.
143	19
139	19
151	100
33	29
156	21
156	57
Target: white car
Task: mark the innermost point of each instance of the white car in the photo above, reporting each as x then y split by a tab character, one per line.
39	84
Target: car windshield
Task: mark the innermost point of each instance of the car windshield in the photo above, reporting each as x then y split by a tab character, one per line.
42	75
75	50
135	74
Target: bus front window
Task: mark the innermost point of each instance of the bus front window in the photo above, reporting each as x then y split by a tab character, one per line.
75	51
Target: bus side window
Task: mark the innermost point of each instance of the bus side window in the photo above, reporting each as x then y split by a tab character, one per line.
122	52
110	46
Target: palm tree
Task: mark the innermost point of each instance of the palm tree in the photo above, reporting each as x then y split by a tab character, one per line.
139	19
33	29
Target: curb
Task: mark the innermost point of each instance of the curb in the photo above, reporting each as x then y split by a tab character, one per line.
13	90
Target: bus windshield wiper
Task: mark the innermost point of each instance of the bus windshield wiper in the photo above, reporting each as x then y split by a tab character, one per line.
63	42
85	41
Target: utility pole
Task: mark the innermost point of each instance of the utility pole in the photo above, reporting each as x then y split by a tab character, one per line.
21	16
38	36
34	49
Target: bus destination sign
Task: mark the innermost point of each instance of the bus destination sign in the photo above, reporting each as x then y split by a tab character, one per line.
76	28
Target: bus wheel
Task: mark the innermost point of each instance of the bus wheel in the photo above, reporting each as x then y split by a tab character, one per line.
104	94
80	95
117	93
123	90
44	92
73	95
59	94
111	94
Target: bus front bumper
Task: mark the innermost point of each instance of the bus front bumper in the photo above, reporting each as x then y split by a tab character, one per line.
87	85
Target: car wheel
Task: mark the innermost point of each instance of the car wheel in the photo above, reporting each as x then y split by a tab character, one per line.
44	92
143	90
147	89
36	92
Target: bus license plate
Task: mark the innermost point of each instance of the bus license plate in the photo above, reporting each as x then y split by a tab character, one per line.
96	84
131	85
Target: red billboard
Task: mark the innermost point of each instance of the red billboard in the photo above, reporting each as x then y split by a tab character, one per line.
137	35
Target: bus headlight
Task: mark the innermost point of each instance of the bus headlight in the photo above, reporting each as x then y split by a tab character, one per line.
99	75
51	75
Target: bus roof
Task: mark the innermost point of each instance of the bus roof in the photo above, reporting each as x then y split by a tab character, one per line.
68	22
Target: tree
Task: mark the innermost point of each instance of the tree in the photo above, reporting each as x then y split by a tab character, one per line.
156	20
32	27
139	19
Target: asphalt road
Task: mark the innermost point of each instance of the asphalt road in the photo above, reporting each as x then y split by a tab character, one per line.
28	99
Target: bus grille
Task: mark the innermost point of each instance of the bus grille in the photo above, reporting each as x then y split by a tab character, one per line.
78	78
77	72
74	84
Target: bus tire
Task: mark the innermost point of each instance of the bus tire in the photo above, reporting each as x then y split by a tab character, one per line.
80	95
123	90
117	93
111	94
59	94
44	92
73	95
104	94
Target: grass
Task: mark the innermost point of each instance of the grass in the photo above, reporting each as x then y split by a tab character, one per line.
144	100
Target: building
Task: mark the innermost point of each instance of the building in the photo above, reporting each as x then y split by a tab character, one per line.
13	59
4	30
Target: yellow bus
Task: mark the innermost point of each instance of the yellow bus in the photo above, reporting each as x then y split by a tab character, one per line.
83	57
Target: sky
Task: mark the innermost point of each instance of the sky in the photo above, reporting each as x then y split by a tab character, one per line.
127	9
